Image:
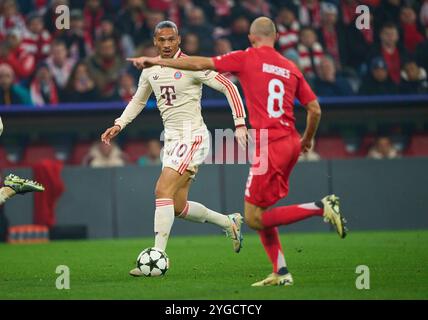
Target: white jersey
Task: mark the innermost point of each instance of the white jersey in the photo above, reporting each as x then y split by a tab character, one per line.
178	95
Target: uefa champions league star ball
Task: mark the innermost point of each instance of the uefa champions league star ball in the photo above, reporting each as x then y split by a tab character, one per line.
153	262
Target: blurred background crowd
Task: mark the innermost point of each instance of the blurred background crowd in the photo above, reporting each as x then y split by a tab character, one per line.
40	64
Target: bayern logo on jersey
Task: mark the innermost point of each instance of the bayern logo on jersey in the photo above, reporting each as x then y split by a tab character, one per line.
178	75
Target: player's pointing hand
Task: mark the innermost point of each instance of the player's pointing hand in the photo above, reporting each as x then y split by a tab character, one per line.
143	62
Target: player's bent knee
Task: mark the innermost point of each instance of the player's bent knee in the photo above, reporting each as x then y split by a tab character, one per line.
162	192
178	209
254	221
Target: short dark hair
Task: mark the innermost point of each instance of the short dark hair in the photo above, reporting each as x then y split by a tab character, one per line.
389	25
165	24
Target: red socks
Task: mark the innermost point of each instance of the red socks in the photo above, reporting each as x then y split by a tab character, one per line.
270	240
289	214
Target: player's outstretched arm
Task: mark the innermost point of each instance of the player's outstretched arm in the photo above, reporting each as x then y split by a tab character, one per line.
186	63
312	120
132	110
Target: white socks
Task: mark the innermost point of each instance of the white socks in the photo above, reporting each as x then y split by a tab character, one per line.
194	211
197	212
164	218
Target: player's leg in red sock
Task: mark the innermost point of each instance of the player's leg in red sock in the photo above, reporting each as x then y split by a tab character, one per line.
289	214
268	236
270	240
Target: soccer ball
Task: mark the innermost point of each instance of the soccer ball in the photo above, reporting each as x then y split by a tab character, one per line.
153	262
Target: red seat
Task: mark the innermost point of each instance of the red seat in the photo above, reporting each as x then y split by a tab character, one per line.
4	161
79	152
331	147
367	142
135	149
37	152
418	145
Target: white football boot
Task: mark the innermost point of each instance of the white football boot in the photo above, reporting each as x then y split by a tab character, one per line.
233	231
332	214
275	279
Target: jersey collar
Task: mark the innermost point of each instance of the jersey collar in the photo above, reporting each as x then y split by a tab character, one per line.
177	54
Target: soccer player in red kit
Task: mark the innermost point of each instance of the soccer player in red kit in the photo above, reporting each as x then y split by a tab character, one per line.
270	83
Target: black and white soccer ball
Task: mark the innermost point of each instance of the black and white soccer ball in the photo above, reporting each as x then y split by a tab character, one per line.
153	262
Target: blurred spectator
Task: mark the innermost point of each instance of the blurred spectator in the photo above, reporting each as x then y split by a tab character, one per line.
311	155
78	41
130	19
152	156
26	62
383	149
6	57
218	12
327	83
124	42
105	66
127	87
222	46
411	35
423	16
196	23
348	9
81	86
43	89
293	55
59	64
102	156
378	81
310	51
422	52
253	9
152	18
288	28
146	49
391	52
413	79
10	18
160	5
36	39
331	34
191	44
357	44
310	13
388	12
239	33
93	12
11	93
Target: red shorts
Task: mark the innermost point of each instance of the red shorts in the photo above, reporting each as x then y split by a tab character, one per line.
265	187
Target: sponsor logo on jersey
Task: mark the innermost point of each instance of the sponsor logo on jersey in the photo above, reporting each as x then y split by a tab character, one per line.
178	75
268	68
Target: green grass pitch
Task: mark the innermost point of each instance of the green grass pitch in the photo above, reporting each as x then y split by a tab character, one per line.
205	267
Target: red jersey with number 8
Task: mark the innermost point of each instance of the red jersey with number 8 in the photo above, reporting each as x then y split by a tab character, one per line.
270	83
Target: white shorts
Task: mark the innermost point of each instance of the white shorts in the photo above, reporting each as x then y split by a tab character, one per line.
186	154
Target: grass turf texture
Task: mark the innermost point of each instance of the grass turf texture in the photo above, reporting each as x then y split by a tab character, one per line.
323	267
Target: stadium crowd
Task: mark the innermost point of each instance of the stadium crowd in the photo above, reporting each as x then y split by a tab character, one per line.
40	64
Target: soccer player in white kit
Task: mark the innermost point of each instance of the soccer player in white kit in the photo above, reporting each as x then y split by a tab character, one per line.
15	185
178	94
